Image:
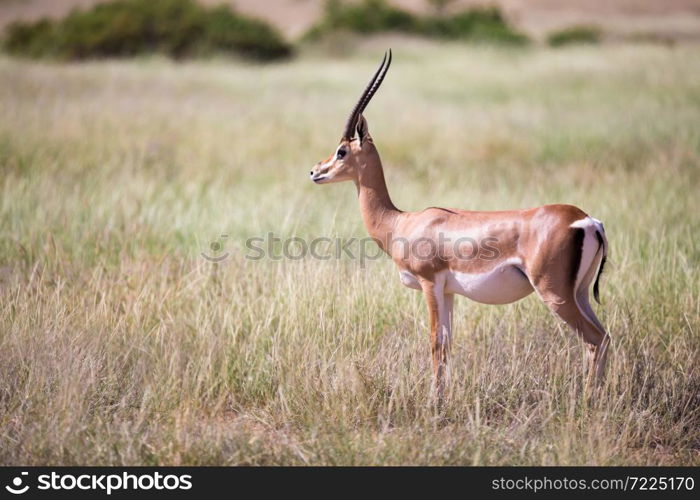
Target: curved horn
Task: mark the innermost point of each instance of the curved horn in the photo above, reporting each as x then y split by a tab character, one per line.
367	95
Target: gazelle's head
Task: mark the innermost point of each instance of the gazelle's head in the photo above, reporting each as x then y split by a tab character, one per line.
356	147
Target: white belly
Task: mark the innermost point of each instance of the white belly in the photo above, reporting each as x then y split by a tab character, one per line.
408	279
501	285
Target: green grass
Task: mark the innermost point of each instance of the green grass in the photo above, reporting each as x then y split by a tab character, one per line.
120	344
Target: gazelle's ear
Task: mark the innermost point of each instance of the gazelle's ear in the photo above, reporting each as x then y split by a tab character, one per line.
362	130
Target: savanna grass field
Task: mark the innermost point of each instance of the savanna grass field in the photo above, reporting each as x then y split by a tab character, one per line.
120	344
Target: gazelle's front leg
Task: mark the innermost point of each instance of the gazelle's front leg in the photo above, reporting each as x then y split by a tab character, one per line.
440	312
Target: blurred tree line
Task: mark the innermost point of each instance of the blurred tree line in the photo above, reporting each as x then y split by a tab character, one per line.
186	29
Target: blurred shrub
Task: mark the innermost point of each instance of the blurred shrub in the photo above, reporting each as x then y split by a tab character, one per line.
485	24
368	16
30	39
224	31
574	35
178	28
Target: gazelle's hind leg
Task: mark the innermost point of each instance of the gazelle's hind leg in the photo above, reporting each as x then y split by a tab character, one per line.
597	354
564	288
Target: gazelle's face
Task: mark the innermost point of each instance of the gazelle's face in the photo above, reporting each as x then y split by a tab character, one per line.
340	166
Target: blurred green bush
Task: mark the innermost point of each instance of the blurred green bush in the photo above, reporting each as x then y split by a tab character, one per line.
177	28
480	24
368	16
484	24
574	35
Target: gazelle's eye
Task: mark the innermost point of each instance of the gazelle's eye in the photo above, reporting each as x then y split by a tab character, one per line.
341	153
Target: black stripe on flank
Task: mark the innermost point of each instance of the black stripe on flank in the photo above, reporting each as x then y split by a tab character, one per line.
596	293
577	242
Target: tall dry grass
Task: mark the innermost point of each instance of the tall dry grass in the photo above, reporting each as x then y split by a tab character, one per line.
120	344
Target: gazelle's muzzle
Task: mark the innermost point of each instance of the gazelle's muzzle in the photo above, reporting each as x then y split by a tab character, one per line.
318	178
320	172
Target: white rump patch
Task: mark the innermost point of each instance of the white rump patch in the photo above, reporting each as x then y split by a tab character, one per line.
591	255
584	223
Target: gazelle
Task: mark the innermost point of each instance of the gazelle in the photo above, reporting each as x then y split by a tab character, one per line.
489	257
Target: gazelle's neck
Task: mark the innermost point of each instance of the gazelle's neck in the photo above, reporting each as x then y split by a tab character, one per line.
378	212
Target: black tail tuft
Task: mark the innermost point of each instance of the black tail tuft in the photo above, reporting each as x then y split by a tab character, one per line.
596	294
